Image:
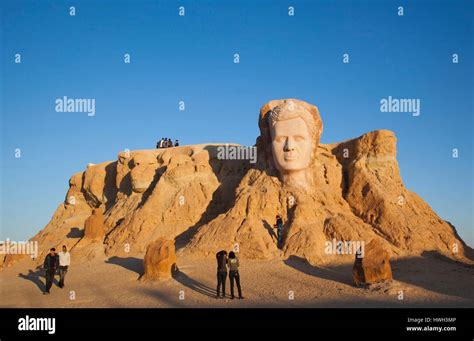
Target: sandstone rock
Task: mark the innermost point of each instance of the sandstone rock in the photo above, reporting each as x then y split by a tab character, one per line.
205	204
94	229
98	184
374	266
160	260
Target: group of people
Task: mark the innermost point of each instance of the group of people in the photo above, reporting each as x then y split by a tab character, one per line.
166	142
56	263
223	263
231	263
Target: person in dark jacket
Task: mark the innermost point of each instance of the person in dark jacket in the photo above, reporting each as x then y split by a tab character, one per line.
221	257
233	264
279	227
51	264
176	143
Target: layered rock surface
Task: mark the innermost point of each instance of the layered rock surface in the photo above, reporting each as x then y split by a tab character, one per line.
207	204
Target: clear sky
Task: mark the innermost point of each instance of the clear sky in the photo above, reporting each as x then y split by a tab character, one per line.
191	58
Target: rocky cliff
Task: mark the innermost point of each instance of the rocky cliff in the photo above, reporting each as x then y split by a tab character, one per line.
206	203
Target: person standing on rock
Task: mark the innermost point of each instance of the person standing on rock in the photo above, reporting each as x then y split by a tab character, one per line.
279	227
64	262
221	257
233	263
51	264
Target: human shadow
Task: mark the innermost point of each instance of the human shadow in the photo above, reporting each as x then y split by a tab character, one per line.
35	277
194	285
270	230
130	263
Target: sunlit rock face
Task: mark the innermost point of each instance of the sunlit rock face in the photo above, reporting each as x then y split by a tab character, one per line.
347	191
143	171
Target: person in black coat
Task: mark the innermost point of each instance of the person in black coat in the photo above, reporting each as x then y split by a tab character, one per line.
221	257
51	265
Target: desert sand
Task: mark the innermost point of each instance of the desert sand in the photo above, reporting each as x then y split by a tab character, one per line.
428	281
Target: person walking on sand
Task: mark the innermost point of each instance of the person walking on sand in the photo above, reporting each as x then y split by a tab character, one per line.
279	227
233	263
64	262
51	263
221	257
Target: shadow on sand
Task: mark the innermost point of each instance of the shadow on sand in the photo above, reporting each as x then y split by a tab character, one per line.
130	263
431	271
194	285
35	277
341	274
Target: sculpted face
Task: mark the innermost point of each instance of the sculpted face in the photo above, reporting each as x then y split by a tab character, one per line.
291	145
290	131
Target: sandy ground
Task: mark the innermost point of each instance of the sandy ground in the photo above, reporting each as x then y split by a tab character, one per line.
425	281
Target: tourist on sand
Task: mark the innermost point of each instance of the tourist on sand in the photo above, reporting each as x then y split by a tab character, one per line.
233	263
64	262
51	263
170	143
221	257
176	143
279	227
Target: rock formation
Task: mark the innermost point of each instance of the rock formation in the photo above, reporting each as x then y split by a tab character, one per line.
348	191
160	260
94	229
373	265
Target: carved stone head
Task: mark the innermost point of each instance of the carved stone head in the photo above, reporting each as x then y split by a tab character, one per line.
290	132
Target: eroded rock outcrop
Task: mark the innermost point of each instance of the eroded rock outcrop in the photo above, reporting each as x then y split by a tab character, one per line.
349	191
372	265
160	260
94	229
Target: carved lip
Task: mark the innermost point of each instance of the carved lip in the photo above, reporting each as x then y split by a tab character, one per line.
291	157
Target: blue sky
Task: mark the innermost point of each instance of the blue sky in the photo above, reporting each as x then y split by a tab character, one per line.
190	58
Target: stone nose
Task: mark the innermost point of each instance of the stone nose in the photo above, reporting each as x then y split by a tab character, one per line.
289	145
